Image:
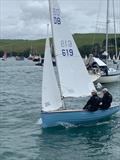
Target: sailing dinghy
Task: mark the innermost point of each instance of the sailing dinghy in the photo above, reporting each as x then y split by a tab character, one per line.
72	75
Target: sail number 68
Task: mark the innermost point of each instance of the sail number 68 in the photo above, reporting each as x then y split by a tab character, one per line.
67	52
57	20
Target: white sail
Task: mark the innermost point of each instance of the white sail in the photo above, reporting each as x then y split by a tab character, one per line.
105	53
109	58
74	78
118	56
114	57
4	56
51	99
86	57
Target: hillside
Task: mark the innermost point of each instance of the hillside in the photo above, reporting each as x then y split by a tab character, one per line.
19	46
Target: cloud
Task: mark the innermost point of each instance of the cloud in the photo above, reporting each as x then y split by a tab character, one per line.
27	19
34	11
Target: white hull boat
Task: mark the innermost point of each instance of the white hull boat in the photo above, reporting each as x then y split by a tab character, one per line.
112	76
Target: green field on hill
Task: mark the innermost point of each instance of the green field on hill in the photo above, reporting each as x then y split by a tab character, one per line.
38	46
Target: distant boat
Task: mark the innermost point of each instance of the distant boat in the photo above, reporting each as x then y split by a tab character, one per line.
109	58
114	58
19	58
108	75
36	59
41	63
74	82
30	57
4	58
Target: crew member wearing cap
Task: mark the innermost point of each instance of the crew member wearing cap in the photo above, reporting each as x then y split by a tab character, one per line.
93	102
106	99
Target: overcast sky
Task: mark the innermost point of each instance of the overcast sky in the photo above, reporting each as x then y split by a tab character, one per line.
27	19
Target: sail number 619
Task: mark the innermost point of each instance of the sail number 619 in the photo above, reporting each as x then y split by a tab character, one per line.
67	52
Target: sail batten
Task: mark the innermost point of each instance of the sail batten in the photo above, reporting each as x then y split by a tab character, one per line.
74	78
51	99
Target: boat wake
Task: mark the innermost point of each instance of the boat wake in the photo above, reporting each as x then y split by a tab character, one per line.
70	125
39	121
67	125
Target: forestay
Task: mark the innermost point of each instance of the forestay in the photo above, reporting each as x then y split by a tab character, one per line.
51	99
74	78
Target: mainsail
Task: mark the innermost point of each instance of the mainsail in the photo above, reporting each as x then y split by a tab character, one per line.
51	99
74	78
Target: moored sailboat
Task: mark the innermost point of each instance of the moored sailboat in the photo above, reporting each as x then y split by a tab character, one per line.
73	78
108	75
112	75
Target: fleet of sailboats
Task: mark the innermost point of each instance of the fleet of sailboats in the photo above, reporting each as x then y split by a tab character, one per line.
73	78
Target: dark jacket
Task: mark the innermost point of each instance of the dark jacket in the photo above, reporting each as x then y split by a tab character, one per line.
93	103
106	101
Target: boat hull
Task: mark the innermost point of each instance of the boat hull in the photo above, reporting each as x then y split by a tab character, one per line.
51	119
95	77
109	78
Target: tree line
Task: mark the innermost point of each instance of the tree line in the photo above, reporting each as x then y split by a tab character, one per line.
96	49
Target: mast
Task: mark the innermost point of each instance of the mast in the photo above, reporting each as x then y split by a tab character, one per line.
116	49
107	22
55	55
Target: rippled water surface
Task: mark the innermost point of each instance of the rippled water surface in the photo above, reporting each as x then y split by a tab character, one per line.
22	138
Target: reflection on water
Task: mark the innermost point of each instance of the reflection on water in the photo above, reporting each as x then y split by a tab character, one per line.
84	141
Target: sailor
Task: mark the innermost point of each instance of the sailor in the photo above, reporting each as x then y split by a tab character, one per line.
93	102
106	70
89	62
106	99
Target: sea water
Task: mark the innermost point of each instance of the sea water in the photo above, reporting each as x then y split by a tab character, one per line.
21	135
